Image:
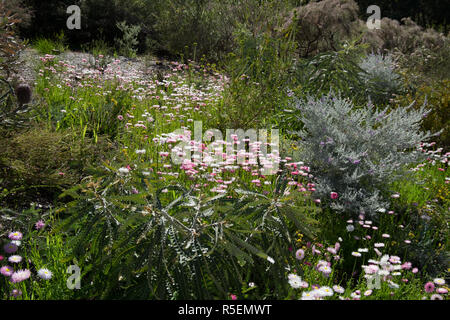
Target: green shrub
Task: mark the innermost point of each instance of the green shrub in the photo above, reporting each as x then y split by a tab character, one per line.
38	163
177	245
51	46
98	47
129	41
437	96
260	75
379	78
356	152
333	70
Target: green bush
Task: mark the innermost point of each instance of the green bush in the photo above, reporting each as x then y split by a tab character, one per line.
37	163
177	245
355	152
437	96
333	70
51	46
128	42
260	75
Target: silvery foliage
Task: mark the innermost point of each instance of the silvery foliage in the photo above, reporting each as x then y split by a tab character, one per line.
357	151
379	77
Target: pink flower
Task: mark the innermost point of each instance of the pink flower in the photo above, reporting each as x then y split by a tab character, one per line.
429	287
20	275
300	254
6	271
394	259
233	297
39	225
441	290
368	293
406	265
334	195
415	270
16	235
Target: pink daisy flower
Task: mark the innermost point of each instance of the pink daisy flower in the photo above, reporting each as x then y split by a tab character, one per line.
6	271
429	287
20	275
16	235
300	254
15	259
441	290
39	225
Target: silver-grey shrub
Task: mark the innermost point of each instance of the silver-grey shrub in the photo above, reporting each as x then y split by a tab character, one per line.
356	152
380	78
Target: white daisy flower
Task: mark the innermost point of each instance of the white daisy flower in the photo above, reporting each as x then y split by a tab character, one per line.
326	291
45	274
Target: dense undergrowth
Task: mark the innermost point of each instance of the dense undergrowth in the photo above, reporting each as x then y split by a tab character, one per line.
121	185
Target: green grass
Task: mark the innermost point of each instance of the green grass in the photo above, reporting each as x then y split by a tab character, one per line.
50	46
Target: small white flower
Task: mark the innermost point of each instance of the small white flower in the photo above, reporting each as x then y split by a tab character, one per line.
270	259
439	281
15	259
308	296
350	228
124	171
326	291
354	295
45	274
383	272
393	285
338	289
294	281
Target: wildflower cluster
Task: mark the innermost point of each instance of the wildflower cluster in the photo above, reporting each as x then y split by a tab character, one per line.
15	268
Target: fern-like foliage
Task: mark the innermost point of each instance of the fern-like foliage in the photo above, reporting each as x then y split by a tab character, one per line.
176	244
